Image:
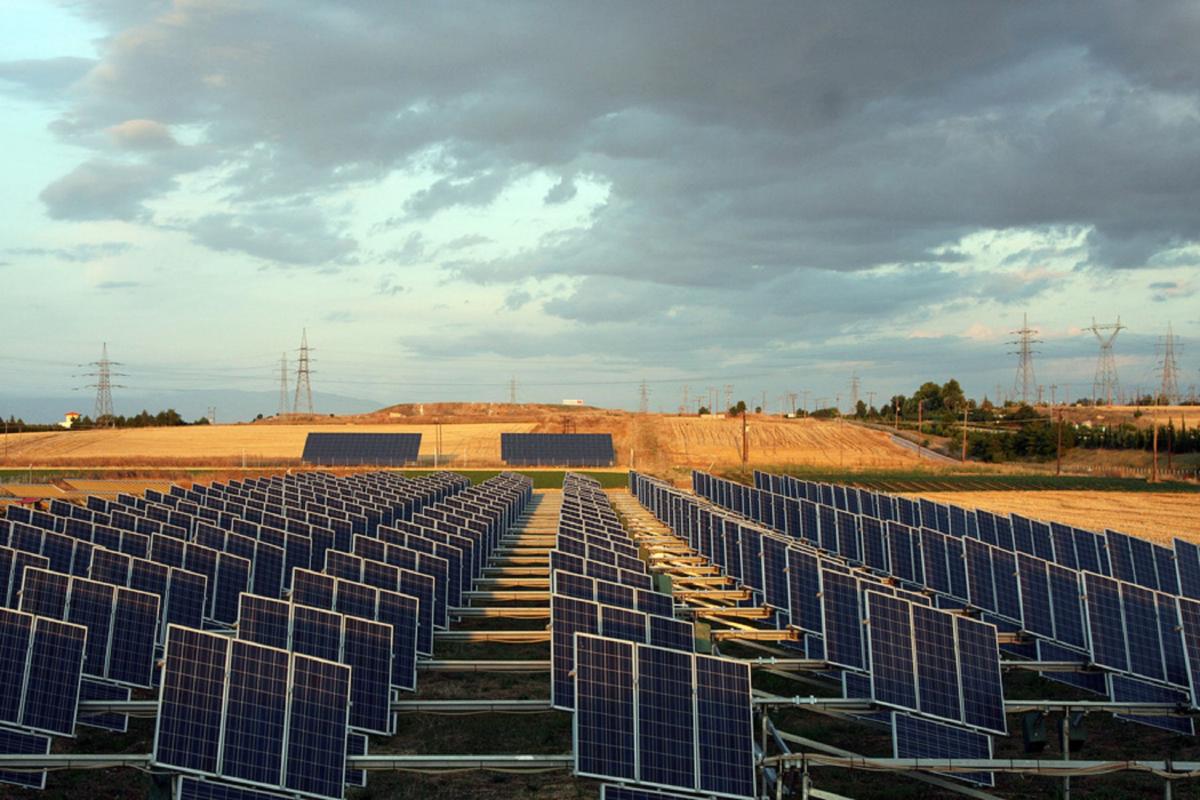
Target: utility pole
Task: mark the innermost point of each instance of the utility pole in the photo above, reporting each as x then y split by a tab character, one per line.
855	385
871	400
764	402
745	442
644	398
1154	469
1106	384
920	418
792	397
966	408
303	403
806	393
896	409
1025	383
1058	457
728	397
683	409
512	390
1040	388
1053	394
283	385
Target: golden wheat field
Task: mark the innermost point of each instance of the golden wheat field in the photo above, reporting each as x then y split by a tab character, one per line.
1151	515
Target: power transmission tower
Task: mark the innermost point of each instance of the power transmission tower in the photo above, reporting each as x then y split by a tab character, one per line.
1025	382
303	403
683	408
1041	388
283	385
870	400
855	384
512	391
212	415
103	386
806	393
792	397
644	398
1169	368
1054	394
1106	384
728	396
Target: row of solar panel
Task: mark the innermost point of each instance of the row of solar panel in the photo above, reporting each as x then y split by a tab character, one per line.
1120	625
358	449
557	449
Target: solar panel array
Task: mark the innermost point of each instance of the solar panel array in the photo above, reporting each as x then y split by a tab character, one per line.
888	639
647	709
361	449
557	449
99	585
1105	600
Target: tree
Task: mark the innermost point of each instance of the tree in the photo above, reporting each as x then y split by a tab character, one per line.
952	396
860	409
737	409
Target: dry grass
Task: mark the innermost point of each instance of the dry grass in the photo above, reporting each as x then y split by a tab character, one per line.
1159	517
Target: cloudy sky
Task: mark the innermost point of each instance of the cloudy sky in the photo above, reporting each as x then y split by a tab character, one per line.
584	195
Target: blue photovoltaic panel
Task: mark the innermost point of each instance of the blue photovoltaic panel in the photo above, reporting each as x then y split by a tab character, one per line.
1064	545
265	621
671	633
568	617
913	737
614	792
937	663
1174	659
620	623
979	574
937	571
355	599
30	744
252	745
1189	620
604	708
1145	571
1043	544
750	542
1093	682
313	589
367	650
16	630
421	587
1129	690
893	676
200	789
843	620
775	574
848	543
190	701
580	587
1168	578
1005	578
1087	550
185	598
316	731
359	449
828	520
401	612
1188	565
1120	557
44	593
804	590
97	690
956	562
268	570
1105	628
1067	606
979	663
724	727
1142	632
901	551
557	449
317	633
875	552
615	594
134	636
651	602
1035	595
356	745
233	578
666	718
55	669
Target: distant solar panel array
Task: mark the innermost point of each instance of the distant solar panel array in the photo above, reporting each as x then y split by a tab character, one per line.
647	709
361	449
370	564
557	449
891	644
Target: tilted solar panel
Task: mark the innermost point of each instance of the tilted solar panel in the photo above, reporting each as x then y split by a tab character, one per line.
316	731
18	743
255	712
360	449
913	737
666	718
724	727
605	737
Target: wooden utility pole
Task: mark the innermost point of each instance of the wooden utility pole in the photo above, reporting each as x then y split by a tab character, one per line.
1154	468
966	408
745	442
896	408
1058	457
920	417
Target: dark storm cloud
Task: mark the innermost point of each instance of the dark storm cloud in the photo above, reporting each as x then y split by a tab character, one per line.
748	159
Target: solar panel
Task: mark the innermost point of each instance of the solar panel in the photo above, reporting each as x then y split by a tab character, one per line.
1188	566
557	449
937	663
16	632
44	593
614	792
265	621
843	620
804	590
55	670
356	745
1129	690
979	665
317	632
401	612
97	690
893	669
1142	632
1093	682
568	616
17	743
359	449
316	734
724	727
255	710
666	718
1067	606
134	636
1102	599
1035	595
913	737
675	634
185	598
621	623
605	738
190	701
188	788
367	650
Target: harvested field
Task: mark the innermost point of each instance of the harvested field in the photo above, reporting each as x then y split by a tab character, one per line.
651	442
1152	515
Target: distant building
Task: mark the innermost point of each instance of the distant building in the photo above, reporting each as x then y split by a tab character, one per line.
570	402
69	420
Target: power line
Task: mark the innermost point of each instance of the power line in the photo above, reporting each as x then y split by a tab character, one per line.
283	385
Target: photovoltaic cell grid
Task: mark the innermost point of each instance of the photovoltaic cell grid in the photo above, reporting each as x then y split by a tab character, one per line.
251	713
685	723
362	449
557	449
913	737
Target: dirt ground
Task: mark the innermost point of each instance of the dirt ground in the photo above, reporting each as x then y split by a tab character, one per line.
651	442
1159	517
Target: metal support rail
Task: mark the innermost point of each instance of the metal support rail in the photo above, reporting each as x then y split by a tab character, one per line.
506	763
507	637
1171	770
510	612
149	708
